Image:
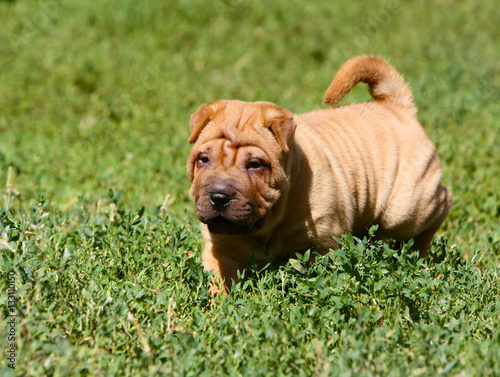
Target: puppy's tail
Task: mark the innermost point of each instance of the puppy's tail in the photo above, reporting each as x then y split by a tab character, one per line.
385	83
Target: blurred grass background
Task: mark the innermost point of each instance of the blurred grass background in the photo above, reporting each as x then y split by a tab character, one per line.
97	95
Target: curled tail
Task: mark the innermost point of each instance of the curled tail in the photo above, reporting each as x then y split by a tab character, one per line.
385	83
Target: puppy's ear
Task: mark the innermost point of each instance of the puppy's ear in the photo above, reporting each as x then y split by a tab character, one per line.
283	128
202	117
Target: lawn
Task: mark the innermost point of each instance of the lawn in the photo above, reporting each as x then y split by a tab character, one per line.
100	246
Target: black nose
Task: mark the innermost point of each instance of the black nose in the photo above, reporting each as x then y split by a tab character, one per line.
219	200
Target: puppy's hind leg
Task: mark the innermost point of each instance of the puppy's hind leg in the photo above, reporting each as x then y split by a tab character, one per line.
422	241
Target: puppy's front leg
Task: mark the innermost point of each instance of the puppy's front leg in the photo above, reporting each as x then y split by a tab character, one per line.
225	268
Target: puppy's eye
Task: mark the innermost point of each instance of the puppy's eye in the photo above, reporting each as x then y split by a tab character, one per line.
255	164
203	160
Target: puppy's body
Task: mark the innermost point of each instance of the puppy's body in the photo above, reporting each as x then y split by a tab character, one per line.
322	173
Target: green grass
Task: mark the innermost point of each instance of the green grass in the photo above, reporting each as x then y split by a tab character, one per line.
96	222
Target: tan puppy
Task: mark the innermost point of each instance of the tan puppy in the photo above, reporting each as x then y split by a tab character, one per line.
268	183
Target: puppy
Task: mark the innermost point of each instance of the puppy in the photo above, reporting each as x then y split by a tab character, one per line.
268	183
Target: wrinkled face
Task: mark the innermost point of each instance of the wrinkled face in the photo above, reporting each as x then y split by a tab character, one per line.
236	163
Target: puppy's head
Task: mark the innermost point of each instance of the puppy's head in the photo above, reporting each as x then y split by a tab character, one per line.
236	165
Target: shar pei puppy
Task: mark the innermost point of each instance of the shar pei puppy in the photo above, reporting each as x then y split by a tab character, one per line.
268	183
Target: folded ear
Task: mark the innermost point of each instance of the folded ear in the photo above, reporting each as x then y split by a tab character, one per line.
282	127
202	117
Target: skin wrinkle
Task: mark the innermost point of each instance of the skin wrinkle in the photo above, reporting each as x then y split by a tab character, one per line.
341	172
358	188
366	187
228	154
